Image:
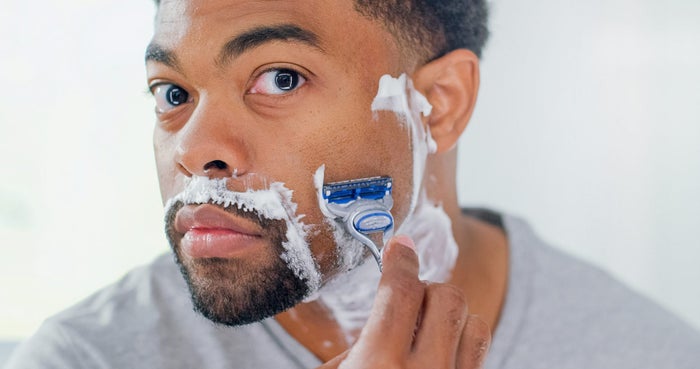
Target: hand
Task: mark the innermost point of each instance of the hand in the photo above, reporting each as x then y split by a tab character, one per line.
416	324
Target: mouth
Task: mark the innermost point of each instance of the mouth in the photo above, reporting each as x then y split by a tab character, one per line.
252	229
209	231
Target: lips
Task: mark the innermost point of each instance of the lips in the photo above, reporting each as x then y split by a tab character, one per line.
211	232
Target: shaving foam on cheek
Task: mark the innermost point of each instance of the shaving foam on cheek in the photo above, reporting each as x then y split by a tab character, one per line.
274	203
426	223
399	96
350	295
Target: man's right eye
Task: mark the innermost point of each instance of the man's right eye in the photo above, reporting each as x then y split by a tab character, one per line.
169	97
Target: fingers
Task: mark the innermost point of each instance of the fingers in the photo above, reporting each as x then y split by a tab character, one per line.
444	319
398	300
414	324
474	344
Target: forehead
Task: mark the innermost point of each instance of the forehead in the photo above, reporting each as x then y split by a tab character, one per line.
340	30
190	15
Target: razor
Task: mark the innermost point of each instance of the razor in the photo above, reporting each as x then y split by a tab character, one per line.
363	205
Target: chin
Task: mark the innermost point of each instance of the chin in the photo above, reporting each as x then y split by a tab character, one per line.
232	292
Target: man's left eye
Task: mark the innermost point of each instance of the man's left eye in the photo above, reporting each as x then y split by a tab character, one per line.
277	82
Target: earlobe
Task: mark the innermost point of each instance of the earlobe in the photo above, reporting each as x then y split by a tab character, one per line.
450	83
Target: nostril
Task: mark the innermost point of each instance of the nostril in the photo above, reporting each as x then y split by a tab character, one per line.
215	164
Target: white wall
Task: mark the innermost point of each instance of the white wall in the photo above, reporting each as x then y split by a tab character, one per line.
79	201
587	125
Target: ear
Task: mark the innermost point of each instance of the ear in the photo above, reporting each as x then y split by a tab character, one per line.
450	83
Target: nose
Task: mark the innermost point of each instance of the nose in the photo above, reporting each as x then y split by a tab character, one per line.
211	144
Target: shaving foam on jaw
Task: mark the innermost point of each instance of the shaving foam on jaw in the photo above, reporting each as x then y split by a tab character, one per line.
350	295
350	251
431	229
274	203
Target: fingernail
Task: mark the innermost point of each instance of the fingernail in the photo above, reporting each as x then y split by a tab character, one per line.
405	241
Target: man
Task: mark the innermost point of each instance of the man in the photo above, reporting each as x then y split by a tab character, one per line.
261	103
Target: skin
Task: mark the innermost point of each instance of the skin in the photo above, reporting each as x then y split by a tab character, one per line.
327	120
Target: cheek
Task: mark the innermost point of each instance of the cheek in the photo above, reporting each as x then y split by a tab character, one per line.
393	154
355	143
165	164
355	149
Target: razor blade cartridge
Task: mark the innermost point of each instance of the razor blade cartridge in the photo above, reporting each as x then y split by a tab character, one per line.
373	188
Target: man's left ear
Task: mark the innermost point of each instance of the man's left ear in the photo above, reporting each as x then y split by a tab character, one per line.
450	83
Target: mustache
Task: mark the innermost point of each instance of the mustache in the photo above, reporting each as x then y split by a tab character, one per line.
271	202
266	207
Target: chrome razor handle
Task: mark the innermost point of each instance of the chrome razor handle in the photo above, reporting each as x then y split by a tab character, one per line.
363	223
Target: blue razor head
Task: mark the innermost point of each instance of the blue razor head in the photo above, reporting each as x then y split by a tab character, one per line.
374	188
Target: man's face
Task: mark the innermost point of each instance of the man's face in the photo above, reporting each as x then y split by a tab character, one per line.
262	92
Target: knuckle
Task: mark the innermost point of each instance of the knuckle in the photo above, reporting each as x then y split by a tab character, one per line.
481	349
449	295
479	334
478	328
451	306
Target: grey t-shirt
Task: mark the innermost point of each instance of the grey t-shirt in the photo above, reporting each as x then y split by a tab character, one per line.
559	313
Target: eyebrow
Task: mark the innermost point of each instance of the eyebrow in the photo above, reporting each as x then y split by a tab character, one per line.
262	35
157	53
242	43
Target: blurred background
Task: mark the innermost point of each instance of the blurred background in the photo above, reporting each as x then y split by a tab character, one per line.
587	125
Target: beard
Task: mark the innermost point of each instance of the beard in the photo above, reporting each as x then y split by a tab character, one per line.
235	292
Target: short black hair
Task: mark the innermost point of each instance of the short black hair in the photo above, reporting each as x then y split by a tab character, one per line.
430	28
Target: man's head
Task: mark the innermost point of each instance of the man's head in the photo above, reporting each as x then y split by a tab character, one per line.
263	92
429	29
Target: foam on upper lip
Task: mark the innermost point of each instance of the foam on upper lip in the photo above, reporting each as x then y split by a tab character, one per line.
202	190
274	202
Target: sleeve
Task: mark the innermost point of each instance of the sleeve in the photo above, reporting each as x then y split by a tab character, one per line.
49	348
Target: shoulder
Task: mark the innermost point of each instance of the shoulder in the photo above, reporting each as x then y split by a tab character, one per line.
116	319
570	314
137	297
146	320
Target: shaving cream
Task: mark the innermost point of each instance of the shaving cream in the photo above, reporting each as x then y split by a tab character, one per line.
426	223
350	295
274	203
399	96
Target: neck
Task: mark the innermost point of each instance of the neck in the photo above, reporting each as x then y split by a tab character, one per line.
481	268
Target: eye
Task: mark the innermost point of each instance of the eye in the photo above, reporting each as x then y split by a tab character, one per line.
277	82
169	96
